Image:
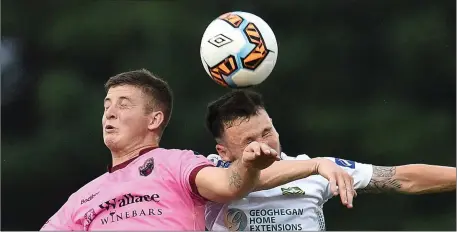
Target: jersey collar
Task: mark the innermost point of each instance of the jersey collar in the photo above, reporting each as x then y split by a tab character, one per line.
122	165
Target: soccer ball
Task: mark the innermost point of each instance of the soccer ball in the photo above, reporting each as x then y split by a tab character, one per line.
238	50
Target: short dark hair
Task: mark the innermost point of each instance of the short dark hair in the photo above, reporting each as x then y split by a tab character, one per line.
160	93
237	104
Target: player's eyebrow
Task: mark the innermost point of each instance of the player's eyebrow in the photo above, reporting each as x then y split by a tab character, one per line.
125	98
121	98
254	135
249	138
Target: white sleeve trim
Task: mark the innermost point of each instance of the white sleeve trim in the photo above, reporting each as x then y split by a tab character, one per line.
368	172
298	157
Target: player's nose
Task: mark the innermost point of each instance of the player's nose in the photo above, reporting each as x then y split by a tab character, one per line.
110	113
262	140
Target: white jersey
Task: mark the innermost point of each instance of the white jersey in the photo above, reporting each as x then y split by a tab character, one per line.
295	206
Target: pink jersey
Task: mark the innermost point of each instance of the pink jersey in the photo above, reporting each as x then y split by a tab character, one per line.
155	191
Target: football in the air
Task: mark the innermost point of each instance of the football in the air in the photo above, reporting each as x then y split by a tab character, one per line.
238	50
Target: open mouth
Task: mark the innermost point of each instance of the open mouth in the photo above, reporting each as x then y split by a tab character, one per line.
109	128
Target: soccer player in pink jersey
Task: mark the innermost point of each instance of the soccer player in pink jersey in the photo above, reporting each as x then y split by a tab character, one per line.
148	187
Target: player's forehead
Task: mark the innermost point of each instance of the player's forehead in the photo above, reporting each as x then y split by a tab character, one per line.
248	127
120	92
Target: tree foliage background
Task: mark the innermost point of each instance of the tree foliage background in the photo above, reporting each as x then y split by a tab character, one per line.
371	81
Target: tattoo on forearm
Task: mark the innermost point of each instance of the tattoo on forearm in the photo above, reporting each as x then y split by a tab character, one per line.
235	179
383	180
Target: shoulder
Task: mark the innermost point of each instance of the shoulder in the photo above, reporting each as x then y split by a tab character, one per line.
95	183
170	156
181	157
179	152
89	190
346	163
214	158
298	157
218	161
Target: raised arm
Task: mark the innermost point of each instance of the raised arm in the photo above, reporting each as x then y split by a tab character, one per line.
411	179
227	184
285	171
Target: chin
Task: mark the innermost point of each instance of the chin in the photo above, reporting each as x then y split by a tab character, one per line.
110	143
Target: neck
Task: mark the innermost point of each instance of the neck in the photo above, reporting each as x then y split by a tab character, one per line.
122	156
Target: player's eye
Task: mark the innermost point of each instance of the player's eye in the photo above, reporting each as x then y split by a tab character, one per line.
248	141
123	105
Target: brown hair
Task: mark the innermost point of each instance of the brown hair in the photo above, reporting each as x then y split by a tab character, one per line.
236	104
161	96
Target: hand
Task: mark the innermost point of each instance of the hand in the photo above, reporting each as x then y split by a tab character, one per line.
340	181
259	155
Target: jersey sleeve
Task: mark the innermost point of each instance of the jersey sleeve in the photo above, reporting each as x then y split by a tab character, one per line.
217	161
190	164
361	172
299	157
62	220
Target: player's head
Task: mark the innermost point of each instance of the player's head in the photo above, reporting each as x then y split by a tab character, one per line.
238	118
138	107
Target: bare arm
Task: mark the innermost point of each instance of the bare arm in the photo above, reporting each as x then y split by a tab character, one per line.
226	184
411	179
285	171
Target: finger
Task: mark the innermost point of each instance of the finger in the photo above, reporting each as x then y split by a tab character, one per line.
342	189
274	157
274	152
265	148
255	148
352	189
333	186
277	157
349	190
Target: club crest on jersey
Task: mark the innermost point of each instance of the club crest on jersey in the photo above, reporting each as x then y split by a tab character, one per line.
345	163
89	216
292	191
147	167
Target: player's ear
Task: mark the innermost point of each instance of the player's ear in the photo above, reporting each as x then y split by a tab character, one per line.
156	119
223	152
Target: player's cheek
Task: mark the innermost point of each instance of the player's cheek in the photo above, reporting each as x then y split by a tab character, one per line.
274	143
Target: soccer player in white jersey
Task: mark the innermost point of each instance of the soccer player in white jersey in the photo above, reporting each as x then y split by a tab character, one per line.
239	117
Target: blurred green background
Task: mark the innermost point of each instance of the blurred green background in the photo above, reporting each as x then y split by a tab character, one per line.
371	81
